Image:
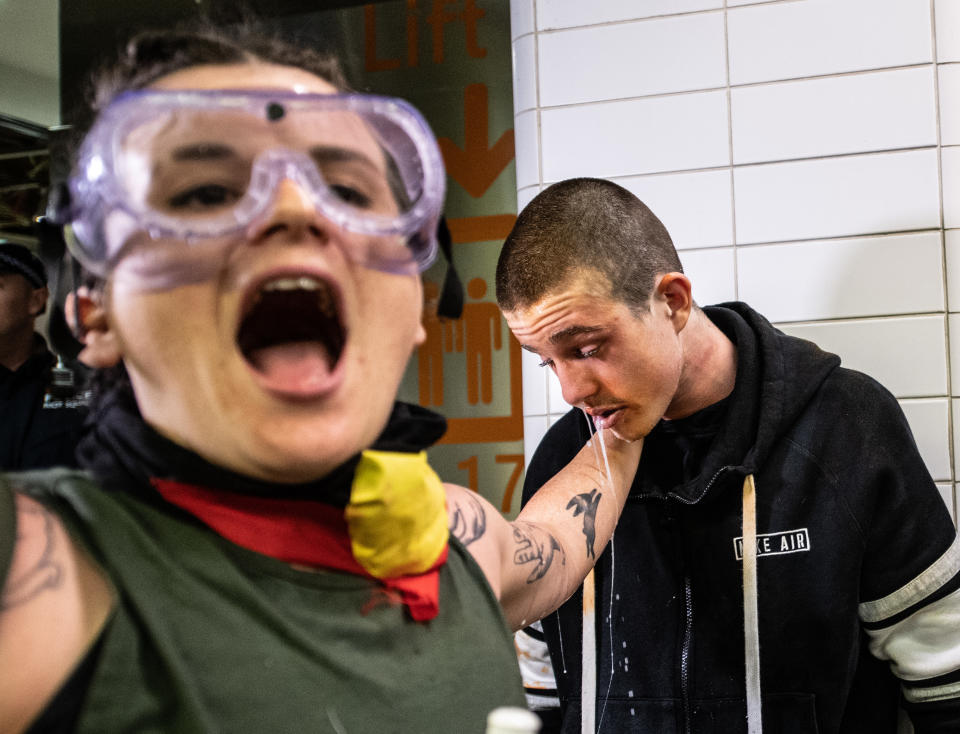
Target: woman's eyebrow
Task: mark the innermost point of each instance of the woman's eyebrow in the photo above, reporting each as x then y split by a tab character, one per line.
203	152
335	154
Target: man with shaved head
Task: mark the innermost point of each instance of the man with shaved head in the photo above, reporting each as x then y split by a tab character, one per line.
785	561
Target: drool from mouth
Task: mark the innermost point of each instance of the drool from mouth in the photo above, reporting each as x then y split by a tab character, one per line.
292	335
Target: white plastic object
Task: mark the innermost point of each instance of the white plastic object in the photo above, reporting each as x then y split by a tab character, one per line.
512	720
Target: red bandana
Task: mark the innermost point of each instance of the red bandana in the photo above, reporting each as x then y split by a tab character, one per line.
302	532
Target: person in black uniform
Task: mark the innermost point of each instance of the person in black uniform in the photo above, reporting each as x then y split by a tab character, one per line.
41	398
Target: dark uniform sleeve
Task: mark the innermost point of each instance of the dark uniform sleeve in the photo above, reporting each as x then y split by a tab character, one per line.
53	439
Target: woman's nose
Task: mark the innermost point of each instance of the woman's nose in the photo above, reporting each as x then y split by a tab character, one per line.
291	213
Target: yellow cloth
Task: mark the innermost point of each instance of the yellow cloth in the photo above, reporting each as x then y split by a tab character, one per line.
396	517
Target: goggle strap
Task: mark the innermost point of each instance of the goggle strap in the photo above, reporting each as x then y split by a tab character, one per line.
450	304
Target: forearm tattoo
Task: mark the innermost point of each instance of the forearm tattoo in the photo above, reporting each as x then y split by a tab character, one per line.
586	504
43	572
537	548
469	520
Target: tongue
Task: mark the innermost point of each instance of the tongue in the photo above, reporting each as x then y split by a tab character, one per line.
293	366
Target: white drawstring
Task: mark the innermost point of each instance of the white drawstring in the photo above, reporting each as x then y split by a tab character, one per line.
588	663
751	631
588	659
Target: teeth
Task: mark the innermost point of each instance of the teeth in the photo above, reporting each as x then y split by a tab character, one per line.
303	283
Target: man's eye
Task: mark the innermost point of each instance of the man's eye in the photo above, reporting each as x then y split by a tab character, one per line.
546	363
203	197
585	353
349	195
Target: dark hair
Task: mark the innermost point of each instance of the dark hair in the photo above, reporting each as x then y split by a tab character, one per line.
150	55
583	225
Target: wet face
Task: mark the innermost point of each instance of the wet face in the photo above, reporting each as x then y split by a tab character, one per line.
622	369
286	361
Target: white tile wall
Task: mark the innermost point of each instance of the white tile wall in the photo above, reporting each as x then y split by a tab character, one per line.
533	429
952	242
950	160
555	401
833	279
632	59
930	425
815	37
953	320
694	207
524	73
946	491
827	195
950	104
830	197
521	18
907	355
955	409
525	195
844	114
712	273
527	148
568	13
636	136
948	30
534	379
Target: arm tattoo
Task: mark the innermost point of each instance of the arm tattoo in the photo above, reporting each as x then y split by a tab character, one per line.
43	572
537	551
587	504
469	520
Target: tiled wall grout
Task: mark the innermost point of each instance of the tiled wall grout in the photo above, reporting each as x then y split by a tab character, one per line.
536	64
859	319
630	21
835	156
831	238
806	240
745	85
757	164
733	178
943	246
661	16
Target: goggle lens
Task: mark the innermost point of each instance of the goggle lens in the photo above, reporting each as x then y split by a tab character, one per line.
207	164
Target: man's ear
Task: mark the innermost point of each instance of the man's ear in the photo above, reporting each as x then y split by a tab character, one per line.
88	319
38	300
677	292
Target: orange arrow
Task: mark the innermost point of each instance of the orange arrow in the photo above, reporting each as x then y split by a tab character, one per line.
476	167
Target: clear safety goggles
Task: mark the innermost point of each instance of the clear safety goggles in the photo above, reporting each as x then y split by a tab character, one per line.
187	172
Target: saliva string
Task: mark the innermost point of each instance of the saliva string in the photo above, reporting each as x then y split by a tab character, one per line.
588	685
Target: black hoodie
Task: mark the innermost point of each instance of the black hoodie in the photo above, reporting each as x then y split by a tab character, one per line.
846	517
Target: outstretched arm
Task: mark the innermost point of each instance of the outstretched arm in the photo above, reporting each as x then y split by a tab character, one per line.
535	563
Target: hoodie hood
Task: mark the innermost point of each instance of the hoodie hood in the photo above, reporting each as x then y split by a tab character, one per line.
777	375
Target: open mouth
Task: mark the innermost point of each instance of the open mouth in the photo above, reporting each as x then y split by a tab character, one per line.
603	418
292	335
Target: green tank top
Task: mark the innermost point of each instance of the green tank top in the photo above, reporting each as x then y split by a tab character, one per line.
210	637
